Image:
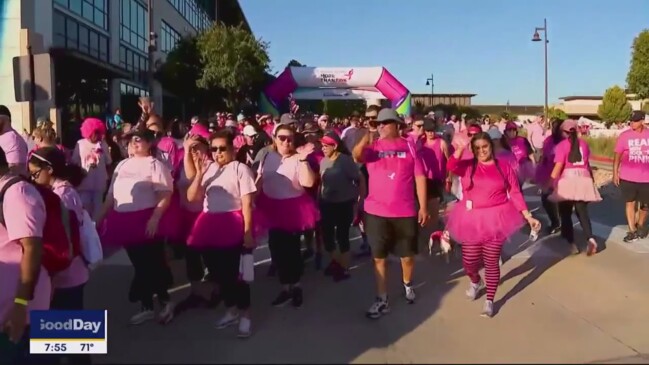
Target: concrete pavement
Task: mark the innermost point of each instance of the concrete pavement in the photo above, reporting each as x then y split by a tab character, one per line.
551	308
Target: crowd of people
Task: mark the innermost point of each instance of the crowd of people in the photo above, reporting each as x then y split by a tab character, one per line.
212	189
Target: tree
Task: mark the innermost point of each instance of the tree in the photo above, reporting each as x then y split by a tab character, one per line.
294	63
556	113
645	107
233	61
615	107
638	77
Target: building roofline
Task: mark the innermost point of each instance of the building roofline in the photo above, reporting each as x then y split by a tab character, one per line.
445	94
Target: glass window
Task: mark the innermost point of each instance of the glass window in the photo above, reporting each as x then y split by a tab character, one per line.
94	11
194	13
168	37
71	29
75	6
83	39
133	24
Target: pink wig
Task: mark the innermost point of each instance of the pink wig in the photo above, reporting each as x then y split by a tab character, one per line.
91	126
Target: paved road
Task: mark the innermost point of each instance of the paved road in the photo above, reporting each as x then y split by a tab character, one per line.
552	308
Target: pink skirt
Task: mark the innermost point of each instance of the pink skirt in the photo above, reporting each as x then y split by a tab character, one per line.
220	230
170	223
187	219
575	185
479	225
290	215
124	229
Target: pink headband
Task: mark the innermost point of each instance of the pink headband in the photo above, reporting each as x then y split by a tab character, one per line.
330	141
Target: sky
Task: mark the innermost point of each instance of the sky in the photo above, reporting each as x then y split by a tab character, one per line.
481	47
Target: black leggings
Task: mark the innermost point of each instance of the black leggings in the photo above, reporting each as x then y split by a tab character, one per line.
152	274
551	209
336	220
581	209
194	265
286	254
223	265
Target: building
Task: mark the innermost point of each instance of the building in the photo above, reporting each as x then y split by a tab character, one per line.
586	106
99	50
427	100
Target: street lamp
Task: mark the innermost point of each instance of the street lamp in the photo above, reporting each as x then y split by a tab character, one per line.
431	82
537	38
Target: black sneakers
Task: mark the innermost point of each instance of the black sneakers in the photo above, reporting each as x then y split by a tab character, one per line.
631	237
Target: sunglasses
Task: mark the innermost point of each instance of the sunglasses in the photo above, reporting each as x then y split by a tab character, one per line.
215	149
285	138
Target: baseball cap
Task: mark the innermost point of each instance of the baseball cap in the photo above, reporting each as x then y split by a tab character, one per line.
230	123
568	125
511	125
638	116
287	118
5	111
249	131
387	115
241	118
429	125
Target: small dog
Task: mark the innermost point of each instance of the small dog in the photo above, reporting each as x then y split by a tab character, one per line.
442	240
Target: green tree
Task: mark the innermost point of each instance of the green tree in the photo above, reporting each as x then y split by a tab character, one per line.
638	77
645	107
556	113
615	107
234	61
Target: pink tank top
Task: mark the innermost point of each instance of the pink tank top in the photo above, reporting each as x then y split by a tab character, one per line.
434	159
519	147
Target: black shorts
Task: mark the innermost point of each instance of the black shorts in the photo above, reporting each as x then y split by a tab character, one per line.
434	189
397	236
634	191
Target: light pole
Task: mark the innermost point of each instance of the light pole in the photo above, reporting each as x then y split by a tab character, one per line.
431	82
151	47
537	38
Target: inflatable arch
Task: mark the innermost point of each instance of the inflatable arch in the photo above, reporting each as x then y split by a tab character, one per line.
335	83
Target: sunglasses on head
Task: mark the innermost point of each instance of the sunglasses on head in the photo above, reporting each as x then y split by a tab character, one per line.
285	138
218	148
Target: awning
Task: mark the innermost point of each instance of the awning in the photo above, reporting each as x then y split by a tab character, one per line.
85	66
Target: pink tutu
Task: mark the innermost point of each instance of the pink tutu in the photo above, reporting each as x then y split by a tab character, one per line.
170	223
123	229
575	185
491	224
290	215
220	230
188	218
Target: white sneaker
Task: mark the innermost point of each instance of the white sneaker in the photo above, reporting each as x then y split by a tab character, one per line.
144	315
227	320
410	293
166	315
488	309
474	290
244	328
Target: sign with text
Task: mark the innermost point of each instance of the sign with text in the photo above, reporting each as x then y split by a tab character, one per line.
336	76
68	332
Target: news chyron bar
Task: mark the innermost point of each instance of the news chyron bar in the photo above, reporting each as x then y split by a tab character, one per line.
68	332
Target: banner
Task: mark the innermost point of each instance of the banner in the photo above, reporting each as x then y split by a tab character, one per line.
335	94
336	76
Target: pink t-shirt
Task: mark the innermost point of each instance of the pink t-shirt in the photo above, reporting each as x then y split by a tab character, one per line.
520	148
562	151
24	212
136	182
392	165
169	154
224	186
490	187
280	179
434	159
94	158
77	273
634	150
536	134
15	148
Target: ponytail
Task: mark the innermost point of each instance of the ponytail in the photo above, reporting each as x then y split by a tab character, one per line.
73	174
575	152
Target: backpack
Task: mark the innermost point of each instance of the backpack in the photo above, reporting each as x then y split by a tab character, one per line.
61	237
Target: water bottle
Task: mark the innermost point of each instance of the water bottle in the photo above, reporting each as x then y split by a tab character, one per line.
247	266
534	233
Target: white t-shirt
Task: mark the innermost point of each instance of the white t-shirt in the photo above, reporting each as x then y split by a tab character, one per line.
224	186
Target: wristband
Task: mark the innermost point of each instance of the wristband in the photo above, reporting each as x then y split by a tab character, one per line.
21	301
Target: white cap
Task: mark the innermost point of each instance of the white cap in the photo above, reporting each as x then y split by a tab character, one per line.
230	123
249	131
494	133
240	118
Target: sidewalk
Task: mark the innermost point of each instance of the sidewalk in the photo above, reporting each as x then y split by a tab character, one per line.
552	309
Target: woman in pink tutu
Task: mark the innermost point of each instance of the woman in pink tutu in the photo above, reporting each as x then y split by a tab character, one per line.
491	210
284	173
226	188
196	145
543	172
573	186
137	198
522	150
91	154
